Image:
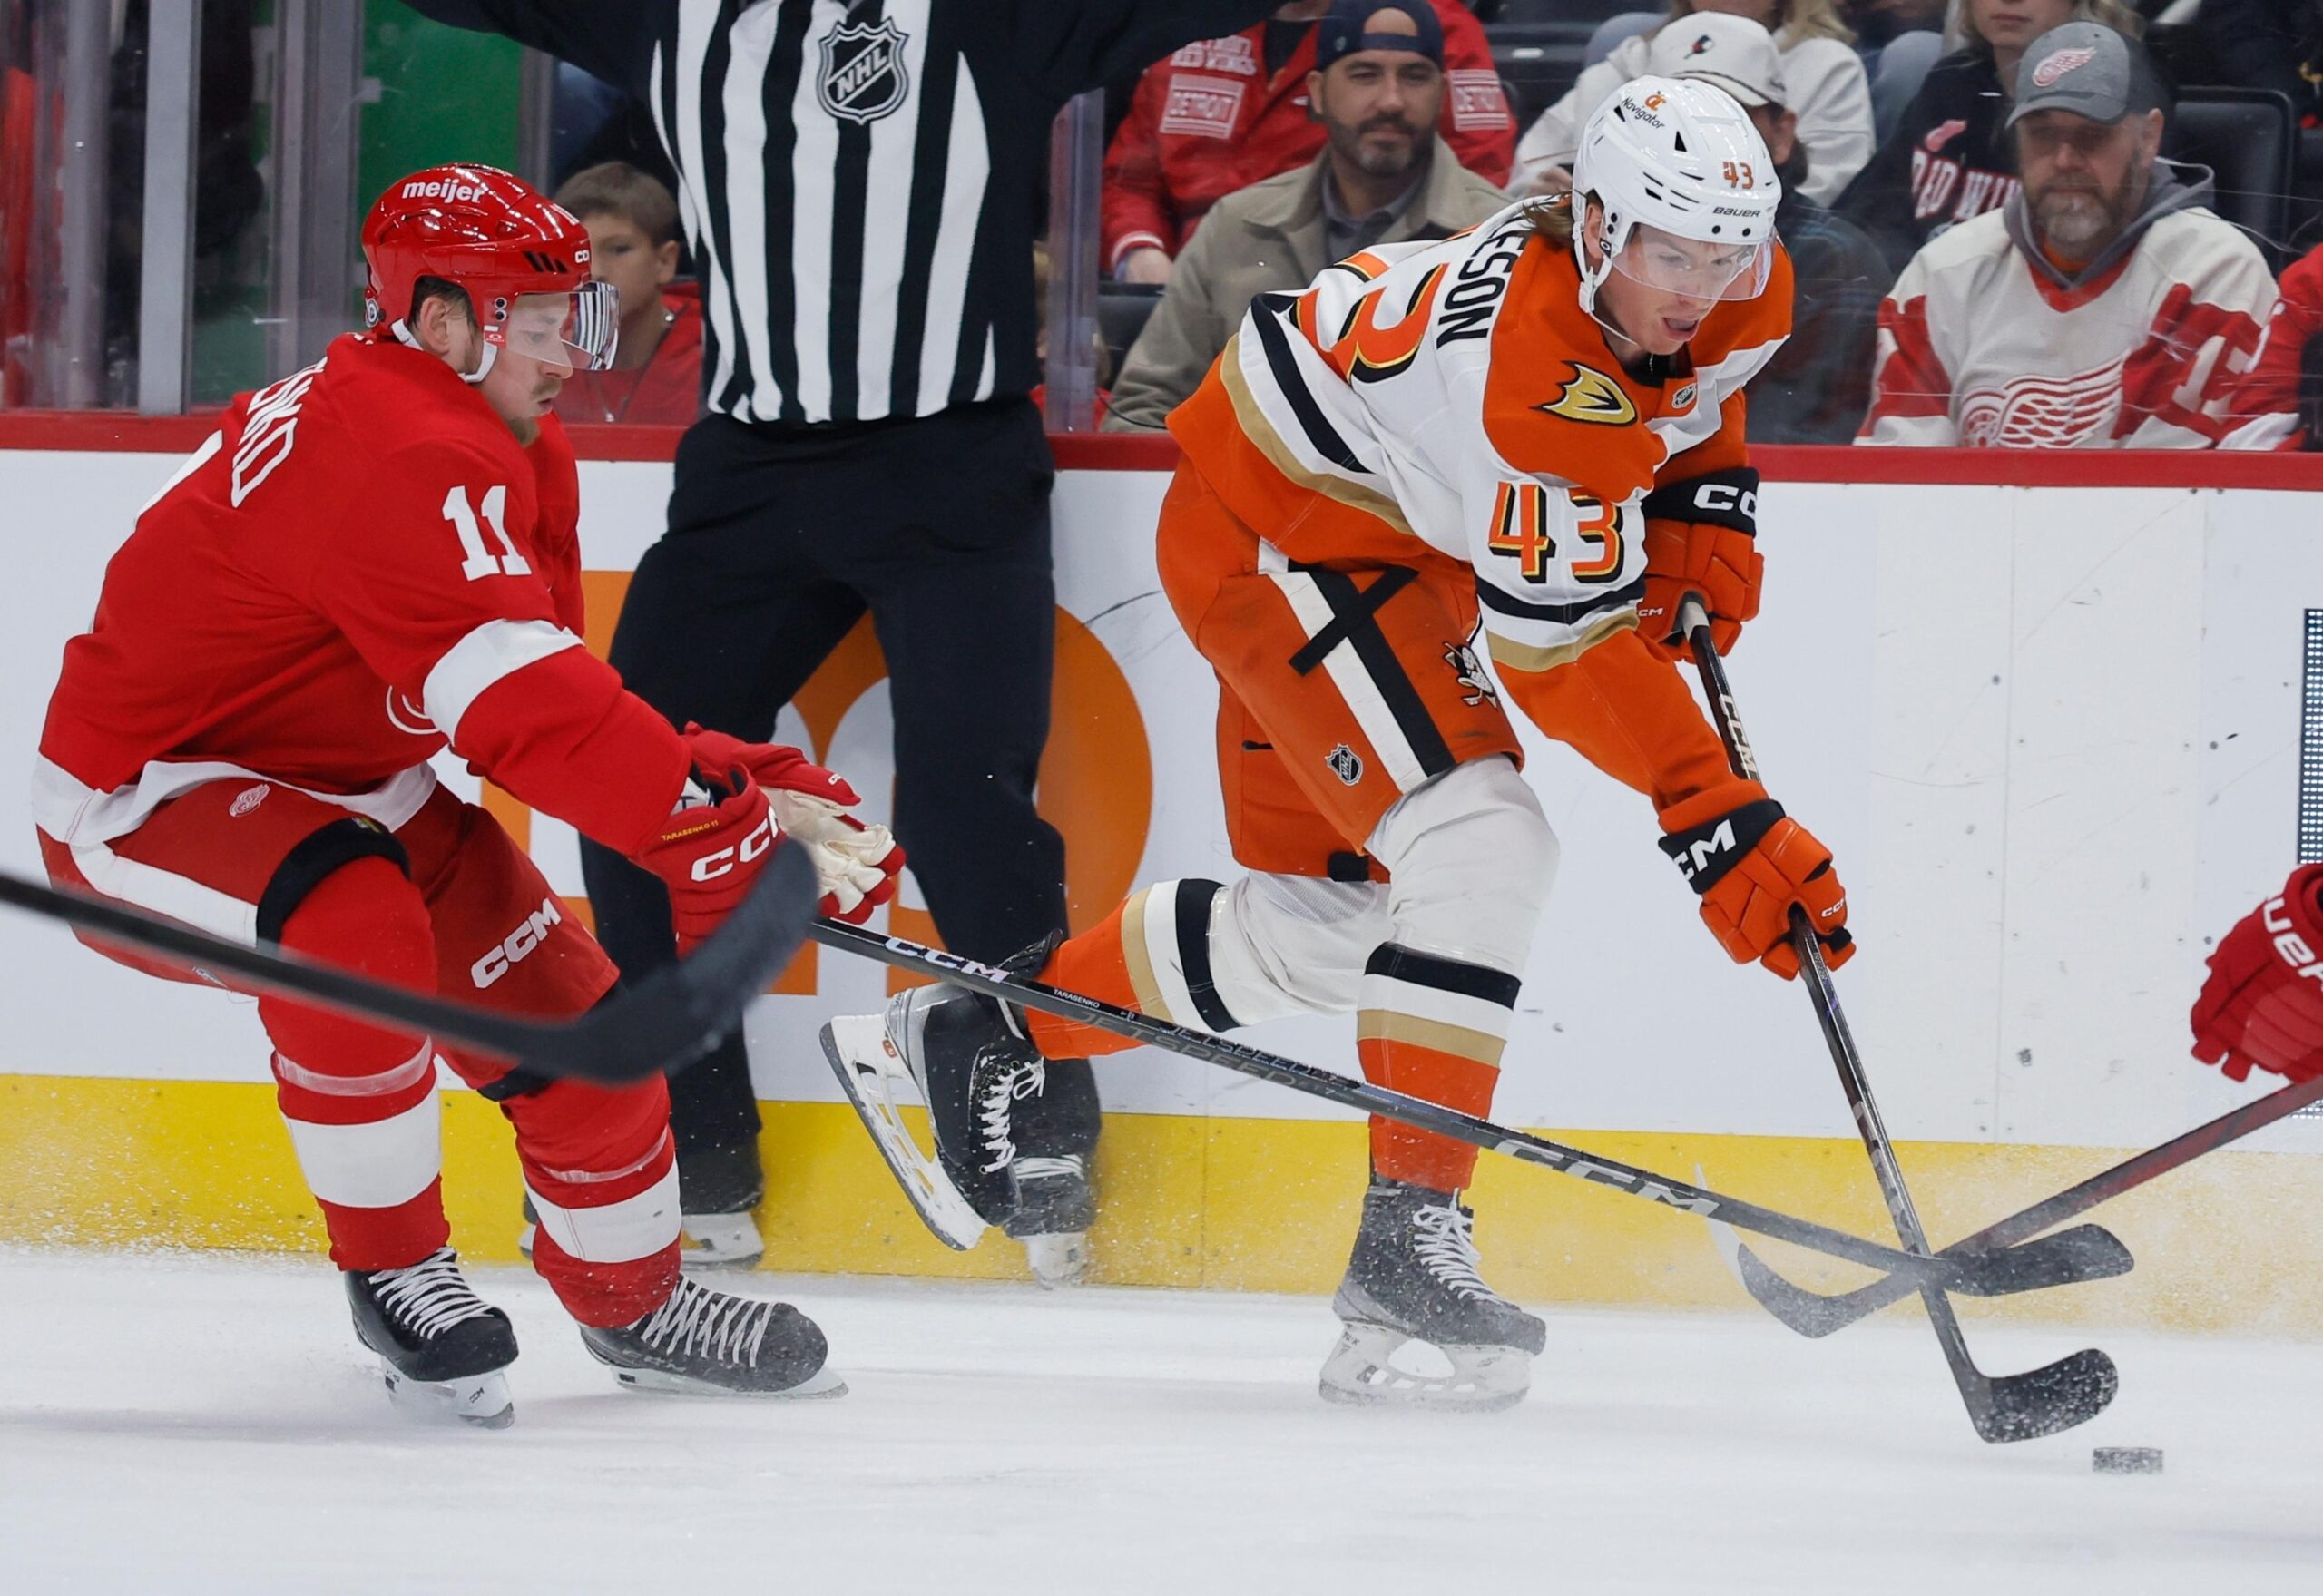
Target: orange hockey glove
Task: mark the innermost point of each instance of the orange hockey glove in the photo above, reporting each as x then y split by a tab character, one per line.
1701	538
1751	863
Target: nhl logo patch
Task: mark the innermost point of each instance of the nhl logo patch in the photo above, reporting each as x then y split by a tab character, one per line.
1346	764
863	77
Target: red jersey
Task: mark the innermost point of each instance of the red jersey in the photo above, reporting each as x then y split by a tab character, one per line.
359	568
1207	121
666	391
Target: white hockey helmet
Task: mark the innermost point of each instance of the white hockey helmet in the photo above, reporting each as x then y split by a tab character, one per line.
1680	156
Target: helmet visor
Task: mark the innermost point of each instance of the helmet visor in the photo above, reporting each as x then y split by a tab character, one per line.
579	328
1695	268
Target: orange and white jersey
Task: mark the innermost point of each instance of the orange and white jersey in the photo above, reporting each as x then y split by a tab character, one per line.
1451	396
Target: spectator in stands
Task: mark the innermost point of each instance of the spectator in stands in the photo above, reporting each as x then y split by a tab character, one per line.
1815	389
656	376
1385	174
1951	158
1829	91
2100	307
1226	114
2279	404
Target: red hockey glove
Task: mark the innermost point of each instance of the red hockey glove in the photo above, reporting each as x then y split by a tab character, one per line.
1751	863
2263	1003
858	865
1700	538
710	849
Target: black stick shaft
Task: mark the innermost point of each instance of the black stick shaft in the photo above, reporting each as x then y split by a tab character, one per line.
1885	1166
1245	1060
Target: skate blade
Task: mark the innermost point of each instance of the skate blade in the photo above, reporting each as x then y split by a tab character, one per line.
722	1241
481	1401
1362	1370
869	1069
821	1386
1059	1261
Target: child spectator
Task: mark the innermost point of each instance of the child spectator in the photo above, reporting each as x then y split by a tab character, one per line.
656	376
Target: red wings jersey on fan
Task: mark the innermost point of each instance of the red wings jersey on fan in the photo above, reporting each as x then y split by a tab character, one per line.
359	567
1978	349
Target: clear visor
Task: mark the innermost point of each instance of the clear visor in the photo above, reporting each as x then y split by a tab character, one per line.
579	328
1694	268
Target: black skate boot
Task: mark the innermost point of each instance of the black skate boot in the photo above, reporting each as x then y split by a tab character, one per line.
969	1058
713	1342
441	1346
1054	1209
1412	1278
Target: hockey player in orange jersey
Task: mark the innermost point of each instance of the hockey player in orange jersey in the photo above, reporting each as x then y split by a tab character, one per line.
370	561
1524	441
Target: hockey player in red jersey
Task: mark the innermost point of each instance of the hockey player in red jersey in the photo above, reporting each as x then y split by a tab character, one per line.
1524	441
370	561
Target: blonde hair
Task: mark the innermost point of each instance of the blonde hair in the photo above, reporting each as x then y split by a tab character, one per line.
1796	21
2113	14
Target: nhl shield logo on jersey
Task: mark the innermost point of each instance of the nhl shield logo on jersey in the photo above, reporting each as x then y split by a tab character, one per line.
1594	397
1346	764
864	77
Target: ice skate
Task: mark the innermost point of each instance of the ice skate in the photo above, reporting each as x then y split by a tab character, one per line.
713	1342
966	1058
1055	1210
1413	1281
441	1346
718	1191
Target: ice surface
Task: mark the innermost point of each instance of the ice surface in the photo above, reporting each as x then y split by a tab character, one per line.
193	1423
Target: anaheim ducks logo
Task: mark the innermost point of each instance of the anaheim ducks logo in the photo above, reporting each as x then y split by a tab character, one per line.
1594	397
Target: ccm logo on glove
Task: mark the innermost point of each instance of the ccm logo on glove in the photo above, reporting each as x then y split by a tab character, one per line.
712	865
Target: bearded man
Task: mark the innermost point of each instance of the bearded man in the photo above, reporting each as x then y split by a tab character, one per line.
2102	306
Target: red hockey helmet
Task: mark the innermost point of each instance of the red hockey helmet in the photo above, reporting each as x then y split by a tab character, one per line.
522	259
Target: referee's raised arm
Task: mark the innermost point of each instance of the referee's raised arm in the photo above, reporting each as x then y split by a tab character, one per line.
858	183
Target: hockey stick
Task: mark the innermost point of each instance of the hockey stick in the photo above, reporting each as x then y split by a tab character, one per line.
1817	1314
1967	1276
664	1022
2014	1407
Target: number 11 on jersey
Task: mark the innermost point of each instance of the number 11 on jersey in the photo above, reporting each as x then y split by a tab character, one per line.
481	562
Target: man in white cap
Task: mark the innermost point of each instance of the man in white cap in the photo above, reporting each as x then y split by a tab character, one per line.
2102	306
1815	389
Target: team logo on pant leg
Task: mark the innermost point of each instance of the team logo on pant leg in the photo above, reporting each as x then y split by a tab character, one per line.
249	798
863	77
1471	672
1346	764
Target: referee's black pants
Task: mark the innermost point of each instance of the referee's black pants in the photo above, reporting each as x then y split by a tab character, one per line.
778	542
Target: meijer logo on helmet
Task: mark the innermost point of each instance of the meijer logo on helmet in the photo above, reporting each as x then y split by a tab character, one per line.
442	189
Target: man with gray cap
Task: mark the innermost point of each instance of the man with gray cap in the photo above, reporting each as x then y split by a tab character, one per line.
2102	306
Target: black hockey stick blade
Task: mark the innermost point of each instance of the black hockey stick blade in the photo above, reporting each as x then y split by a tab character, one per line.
1814	1314
2069	1258
2046	1401
663	1023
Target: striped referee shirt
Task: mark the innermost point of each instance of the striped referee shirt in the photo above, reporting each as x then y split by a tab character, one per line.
859	182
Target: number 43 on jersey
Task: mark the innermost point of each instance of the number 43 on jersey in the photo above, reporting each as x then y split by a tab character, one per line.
1520	526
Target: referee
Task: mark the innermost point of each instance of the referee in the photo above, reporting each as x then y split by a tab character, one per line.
858	183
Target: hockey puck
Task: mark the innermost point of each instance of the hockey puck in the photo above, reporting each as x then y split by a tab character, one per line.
2126	1460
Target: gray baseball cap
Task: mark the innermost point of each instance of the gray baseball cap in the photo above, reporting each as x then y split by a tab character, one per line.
2088	69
